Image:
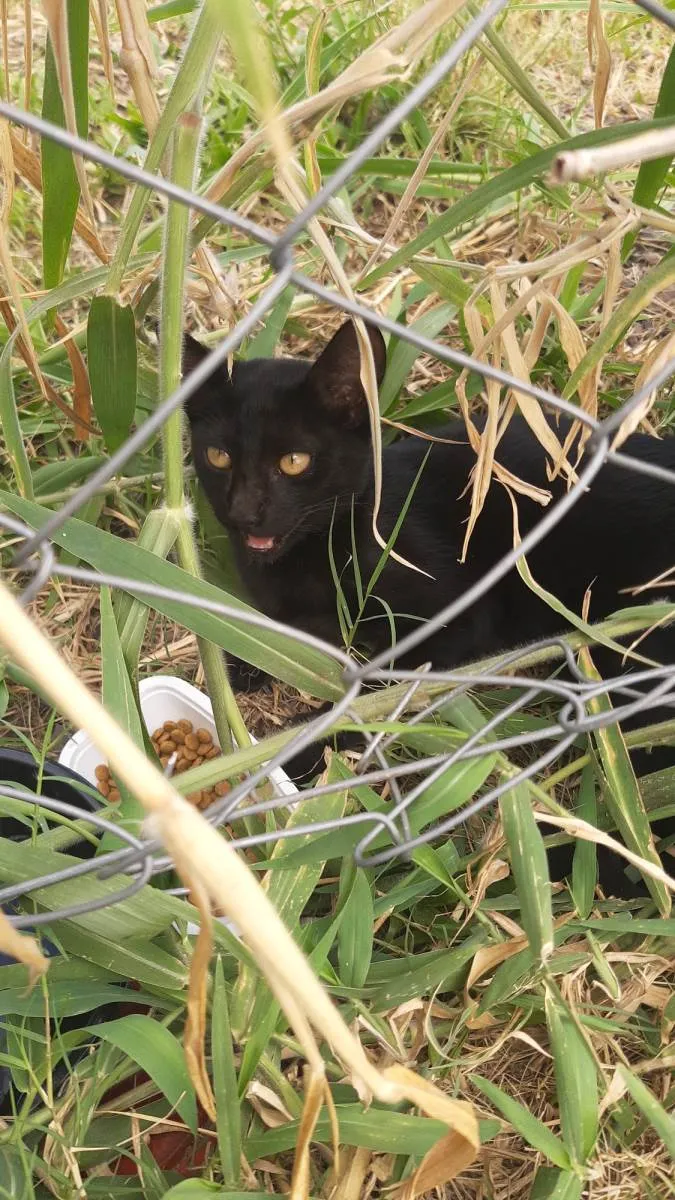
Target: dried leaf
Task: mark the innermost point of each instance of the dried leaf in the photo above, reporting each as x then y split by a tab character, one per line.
99	12
195	1026
530	408
603	65
137	58
455	1151
81	389
485	960
27	166
23	948
315	1091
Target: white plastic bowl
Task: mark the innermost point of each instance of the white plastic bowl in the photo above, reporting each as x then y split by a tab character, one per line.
163	698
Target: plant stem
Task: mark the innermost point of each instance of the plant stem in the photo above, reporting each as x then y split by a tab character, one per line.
186	149
194	71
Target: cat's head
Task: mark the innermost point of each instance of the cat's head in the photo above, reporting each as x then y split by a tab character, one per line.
281	443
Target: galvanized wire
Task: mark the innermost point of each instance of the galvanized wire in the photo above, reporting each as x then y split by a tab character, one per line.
389	832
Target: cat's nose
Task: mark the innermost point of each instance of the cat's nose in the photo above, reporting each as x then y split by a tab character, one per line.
247	511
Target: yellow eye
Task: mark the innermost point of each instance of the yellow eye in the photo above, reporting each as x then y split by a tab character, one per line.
295	463
218	458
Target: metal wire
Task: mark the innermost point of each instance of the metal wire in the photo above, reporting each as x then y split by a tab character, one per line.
396	828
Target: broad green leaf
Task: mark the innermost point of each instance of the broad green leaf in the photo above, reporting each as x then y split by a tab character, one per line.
143	915
535	1133
118	699
576	1081
585	861
530	869
552	1184
401	359
355	935
198	1189
63	474
225	1089
381	1129
16	1173
305	668
60	186
512	180
113	368
397	980
266	340
157	1052
458	784
140	961
622	795
67	999
661	1121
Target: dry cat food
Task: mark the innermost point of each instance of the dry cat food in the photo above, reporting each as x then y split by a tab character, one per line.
191	746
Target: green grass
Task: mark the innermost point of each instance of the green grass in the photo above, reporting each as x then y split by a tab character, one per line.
550	1011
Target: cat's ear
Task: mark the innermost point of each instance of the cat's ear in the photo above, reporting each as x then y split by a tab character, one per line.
210	395
336	375
193	353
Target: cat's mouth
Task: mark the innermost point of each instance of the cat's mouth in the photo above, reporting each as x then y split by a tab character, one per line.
262	545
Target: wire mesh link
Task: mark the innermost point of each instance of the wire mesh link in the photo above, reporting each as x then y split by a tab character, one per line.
392	831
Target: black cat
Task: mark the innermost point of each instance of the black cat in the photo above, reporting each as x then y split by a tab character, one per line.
283	452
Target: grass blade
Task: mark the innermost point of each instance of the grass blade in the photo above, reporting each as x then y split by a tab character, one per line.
585	860
355	934
512	180
622	795
551	1184
401	360
530	869
60	186
303	667
118	698
159	1054
660	1120
576	1081
535	1133
113	368
13	443
225	1087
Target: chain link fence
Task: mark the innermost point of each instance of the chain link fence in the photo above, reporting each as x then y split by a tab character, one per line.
385	834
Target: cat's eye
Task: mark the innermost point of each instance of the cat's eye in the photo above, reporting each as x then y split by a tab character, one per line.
295	463
218	458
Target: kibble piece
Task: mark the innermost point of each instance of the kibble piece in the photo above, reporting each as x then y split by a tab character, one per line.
114	796
159	733
189	754
186	726
192	741
167	746
104	787
164	759
222	788
203	735
213	752
178	736
101	772
168	726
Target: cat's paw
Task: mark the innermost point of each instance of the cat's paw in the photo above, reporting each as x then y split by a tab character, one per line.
245	678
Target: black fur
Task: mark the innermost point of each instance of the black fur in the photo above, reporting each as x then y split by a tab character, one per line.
618	535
